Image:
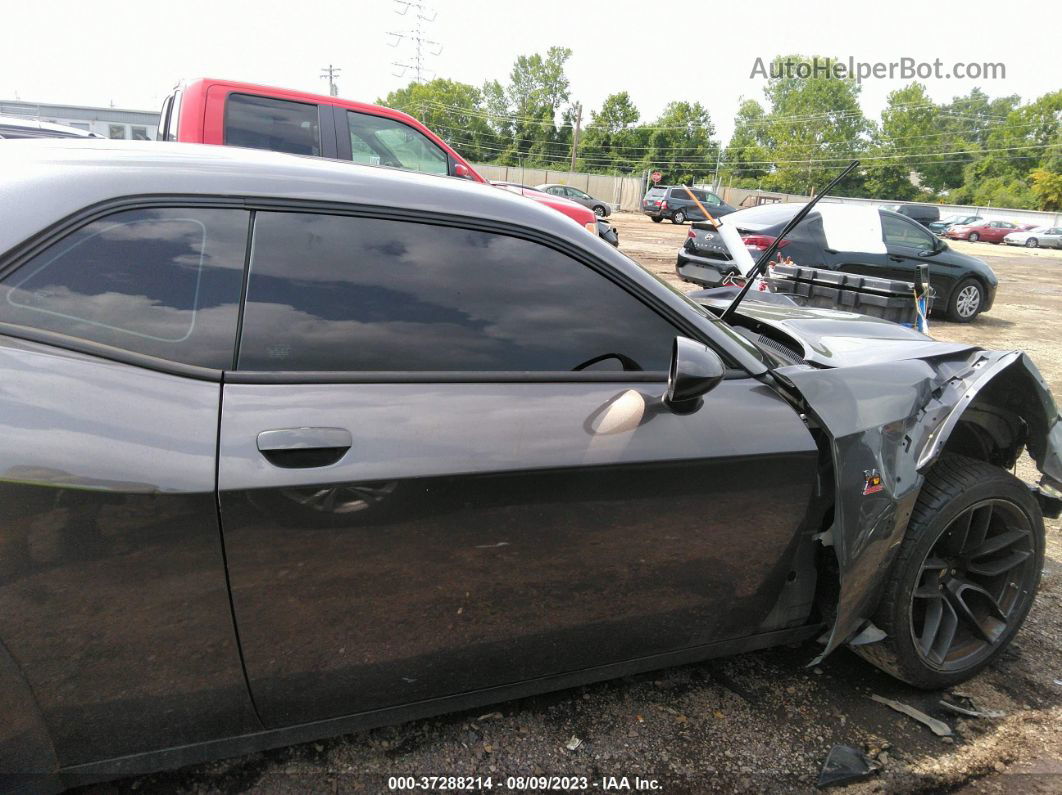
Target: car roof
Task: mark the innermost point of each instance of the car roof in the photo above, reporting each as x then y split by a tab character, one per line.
36	124
42	181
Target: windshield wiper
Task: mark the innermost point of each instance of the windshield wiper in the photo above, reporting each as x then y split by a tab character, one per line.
765	257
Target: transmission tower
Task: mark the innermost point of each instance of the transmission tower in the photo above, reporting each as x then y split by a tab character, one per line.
422	46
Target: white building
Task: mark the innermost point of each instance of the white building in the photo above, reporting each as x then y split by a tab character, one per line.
135	125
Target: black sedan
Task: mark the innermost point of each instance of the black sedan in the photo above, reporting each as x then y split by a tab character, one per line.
851	239
292	447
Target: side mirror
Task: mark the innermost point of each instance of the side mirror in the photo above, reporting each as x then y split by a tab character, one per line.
461	170
695	370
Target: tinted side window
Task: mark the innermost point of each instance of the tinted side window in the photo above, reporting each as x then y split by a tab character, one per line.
333	293
165	282
713	199
275	124
904	233
377	141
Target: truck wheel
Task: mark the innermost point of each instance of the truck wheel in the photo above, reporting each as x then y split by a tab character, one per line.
966	301
678	217
964	577
656	218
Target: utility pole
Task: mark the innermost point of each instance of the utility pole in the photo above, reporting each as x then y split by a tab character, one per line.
575	133
331	73
718	163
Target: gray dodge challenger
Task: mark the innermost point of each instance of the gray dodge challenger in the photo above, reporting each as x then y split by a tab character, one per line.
290	447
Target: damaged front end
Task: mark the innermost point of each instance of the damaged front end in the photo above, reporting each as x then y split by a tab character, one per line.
888	422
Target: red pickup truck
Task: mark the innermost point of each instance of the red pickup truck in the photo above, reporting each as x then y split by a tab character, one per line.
210	111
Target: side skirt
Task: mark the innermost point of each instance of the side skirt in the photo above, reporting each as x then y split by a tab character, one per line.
170	758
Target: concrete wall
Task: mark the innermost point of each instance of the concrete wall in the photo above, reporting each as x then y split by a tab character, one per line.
623	193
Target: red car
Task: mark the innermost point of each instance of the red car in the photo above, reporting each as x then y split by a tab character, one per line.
206	111
581	215
989	231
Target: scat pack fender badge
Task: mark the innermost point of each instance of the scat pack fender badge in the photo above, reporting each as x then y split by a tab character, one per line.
873	482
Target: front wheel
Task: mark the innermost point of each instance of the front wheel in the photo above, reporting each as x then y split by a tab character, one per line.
966	301
1032	242
964	578
599	211
679	217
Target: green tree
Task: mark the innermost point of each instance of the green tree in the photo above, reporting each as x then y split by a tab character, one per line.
816	124
1047	188
747	153
537	93
917	130
612	141
681	144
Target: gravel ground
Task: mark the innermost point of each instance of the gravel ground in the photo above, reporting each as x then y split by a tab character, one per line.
756	722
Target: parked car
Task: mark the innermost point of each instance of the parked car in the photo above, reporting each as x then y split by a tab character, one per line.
210	111
964	285
608	232
14	127
675	204
959	219
581	215
601	209
292	449
1039	236
925	214
988	231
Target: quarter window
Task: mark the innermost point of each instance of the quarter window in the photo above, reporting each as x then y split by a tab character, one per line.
378	141
163	282
333	293
278	125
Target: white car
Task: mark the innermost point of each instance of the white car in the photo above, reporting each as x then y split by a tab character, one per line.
1041	236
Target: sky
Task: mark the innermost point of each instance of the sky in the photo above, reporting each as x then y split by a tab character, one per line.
103	52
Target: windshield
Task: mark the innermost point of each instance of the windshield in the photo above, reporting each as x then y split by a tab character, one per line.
953	219
656	192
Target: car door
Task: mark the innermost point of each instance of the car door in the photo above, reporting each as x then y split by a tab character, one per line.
578	196
909	245
113	592
437	476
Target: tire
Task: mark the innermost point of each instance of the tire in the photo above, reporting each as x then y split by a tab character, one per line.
937	565
966	301
974	237
656	219
599	210
678	217
1032	242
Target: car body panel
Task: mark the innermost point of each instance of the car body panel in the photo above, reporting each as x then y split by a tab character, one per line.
479	534
202	107
1045	236
986	231
676	198
807	246
439	562
113	593
574	210
579	196
892	419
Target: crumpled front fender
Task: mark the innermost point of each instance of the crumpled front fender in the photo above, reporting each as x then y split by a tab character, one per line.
887	424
